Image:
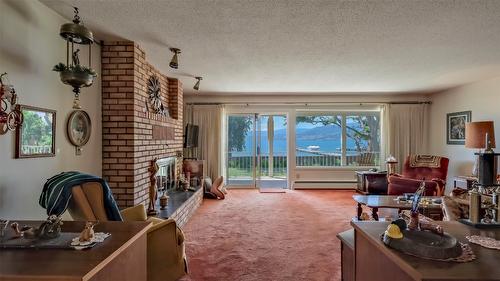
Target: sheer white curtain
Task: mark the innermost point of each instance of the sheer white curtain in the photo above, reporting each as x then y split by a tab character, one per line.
405	130
209	120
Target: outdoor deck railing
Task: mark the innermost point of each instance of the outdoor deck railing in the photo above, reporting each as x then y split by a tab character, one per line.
36	149
243	165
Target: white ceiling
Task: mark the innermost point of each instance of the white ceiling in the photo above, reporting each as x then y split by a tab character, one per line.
297	46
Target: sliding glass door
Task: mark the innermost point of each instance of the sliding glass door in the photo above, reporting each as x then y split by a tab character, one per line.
256	153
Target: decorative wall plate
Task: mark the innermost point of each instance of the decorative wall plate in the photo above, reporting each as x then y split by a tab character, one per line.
154	93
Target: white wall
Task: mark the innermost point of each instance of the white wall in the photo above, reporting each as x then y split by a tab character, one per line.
483	99
29	47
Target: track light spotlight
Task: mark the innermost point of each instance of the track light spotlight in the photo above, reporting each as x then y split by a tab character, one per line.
197	85
174	62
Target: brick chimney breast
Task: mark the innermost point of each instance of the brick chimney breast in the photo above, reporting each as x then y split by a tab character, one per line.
132	136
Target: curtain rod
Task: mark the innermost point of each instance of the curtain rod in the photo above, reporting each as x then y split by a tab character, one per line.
307	103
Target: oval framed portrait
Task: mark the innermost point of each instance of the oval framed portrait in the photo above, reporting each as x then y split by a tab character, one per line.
79	128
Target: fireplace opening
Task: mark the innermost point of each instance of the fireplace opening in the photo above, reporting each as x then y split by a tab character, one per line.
166	179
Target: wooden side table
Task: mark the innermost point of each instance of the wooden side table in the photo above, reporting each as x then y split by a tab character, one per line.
371	182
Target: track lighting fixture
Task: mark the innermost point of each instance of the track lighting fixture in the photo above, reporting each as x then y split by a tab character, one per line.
197	85
174	62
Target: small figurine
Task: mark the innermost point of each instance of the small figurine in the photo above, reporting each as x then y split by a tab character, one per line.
153	190
51	228
414	223
3	226
17	231
75	58
88	232
393	231
29	232
364	216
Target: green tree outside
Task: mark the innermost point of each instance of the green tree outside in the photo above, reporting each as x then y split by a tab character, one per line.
37	129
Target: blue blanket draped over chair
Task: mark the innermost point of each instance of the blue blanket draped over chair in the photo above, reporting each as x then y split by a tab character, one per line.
57	193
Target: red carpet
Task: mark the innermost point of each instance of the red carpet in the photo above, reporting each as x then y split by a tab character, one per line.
266	236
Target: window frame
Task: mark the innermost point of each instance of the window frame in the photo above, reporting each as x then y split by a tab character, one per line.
344	114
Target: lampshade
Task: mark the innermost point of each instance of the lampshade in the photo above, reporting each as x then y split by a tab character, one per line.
475	134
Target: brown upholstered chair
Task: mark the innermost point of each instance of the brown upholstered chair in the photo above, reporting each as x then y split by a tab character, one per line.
410	179
166	257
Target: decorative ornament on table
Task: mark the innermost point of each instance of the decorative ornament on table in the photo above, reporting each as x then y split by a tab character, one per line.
414	219
364	216
88	232
3	226
88	237
49	229
79	129
10	115
424	238
154	97
73	73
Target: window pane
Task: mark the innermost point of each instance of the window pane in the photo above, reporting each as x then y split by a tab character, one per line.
363	139
240	143
318	140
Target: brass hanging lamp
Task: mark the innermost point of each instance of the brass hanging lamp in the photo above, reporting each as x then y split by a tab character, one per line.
74	73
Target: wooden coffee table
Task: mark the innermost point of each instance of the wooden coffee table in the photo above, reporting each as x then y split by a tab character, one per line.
389	201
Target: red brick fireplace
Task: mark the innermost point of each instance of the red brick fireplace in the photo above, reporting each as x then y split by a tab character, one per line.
133	135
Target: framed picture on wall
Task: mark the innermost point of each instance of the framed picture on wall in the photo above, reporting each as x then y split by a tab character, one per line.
455	126
36	137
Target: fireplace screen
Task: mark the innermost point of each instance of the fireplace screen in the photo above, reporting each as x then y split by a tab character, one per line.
167	174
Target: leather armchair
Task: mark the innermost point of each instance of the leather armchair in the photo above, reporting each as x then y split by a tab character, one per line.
410	179
166	258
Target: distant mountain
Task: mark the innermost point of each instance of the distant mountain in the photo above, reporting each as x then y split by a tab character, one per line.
316	133
320	133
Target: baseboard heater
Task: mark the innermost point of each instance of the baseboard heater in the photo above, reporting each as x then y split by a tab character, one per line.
324	184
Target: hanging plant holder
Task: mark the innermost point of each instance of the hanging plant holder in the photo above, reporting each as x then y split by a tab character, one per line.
73	73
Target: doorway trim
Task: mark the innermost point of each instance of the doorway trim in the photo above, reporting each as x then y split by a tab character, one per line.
256	112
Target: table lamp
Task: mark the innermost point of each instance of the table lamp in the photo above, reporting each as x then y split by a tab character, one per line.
391	165
480	135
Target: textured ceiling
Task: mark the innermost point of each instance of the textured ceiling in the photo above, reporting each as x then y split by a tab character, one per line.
242	46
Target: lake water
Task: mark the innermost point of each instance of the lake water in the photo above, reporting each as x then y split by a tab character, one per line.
279	145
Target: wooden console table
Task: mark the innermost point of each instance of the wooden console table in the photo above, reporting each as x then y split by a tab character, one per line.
376	262
120	257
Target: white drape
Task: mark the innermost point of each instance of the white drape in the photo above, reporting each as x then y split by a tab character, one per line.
405	130
209	120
